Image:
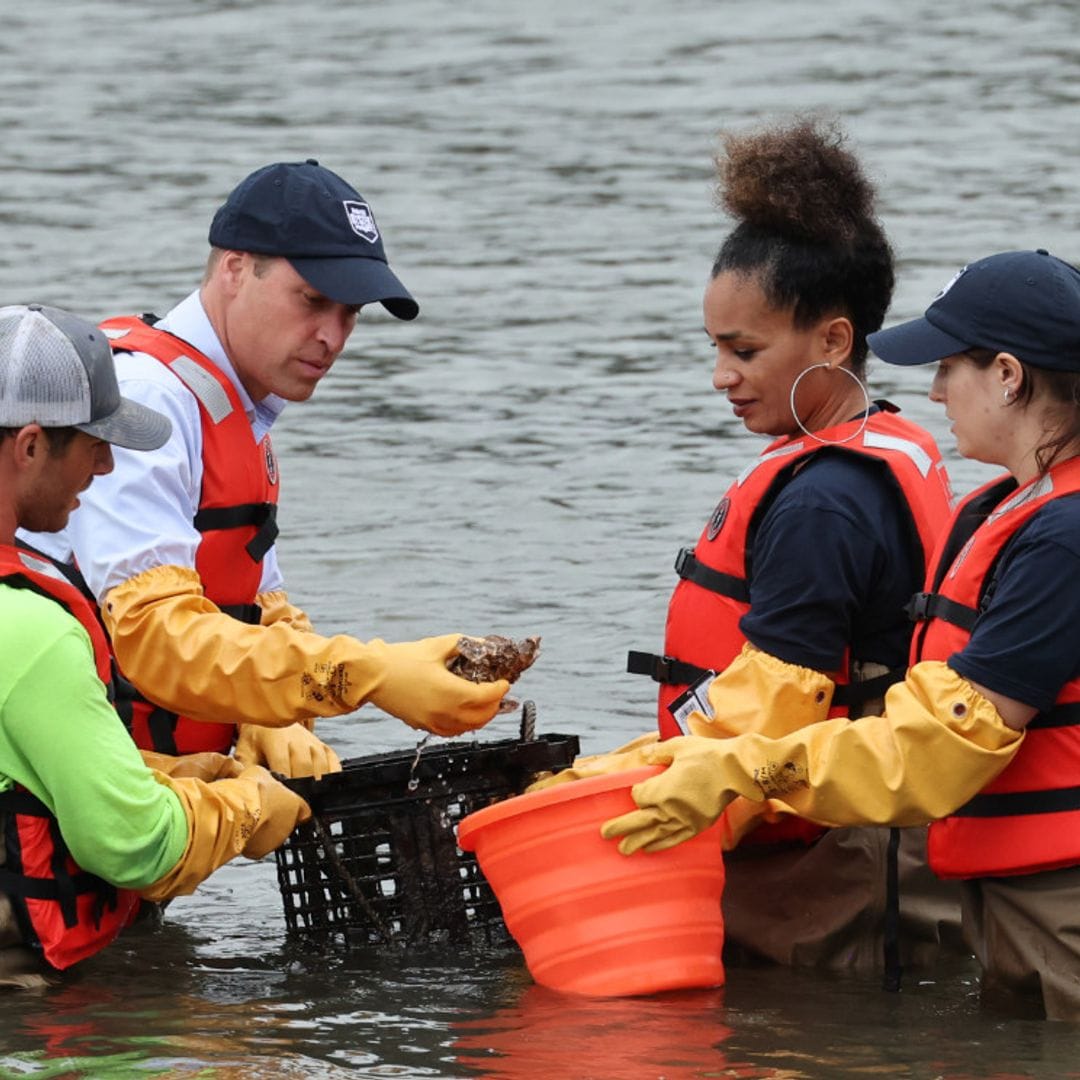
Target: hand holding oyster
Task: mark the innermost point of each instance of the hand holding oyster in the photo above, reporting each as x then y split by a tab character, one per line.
494	657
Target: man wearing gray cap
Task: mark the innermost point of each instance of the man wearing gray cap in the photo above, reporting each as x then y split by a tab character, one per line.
88	828
178	546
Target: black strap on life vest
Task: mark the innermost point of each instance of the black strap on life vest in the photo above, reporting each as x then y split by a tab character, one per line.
64	888
1012	803
263	515
854	695
671	672
923	606
689	568
663	669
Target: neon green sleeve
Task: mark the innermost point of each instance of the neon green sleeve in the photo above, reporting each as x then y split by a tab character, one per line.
62	740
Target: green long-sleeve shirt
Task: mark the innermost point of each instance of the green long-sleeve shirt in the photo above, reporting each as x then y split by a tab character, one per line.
62	740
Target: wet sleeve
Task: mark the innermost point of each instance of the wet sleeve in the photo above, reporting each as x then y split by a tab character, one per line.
63	741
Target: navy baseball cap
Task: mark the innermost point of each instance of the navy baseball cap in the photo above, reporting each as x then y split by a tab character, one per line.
310	216
1022	302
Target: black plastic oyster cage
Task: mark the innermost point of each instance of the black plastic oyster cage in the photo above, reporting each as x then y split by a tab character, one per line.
379	863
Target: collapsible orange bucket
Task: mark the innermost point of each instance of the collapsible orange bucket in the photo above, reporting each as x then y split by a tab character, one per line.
589	920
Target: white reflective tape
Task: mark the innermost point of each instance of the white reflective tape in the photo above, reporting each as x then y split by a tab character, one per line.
204	386
41	566
783	451
919	457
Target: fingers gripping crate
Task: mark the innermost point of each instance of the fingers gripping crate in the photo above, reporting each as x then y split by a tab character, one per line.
379	862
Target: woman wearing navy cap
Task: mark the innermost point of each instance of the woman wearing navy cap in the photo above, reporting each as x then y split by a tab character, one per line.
984	733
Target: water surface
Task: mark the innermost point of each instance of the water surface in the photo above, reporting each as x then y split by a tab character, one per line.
527	457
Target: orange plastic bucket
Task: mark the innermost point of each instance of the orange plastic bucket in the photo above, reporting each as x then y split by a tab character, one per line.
592	921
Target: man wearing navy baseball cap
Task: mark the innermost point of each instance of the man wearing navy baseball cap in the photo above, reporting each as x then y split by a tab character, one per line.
177	545
321	225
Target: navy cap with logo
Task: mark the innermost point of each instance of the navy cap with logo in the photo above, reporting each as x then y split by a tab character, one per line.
310	216
1022	302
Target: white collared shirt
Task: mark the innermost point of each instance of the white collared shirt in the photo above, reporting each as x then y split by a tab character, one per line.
141	515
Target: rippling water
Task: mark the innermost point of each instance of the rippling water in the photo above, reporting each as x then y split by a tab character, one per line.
527	456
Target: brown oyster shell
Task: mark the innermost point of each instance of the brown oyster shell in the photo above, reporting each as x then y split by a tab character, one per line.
493	657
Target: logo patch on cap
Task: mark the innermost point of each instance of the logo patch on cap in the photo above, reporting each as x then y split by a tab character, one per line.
950	283
360	220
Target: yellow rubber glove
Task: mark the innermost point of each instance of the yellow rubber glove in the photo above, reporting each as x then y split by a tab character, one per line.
186	655
250	815
758	692
413	684
205	765
276	608
938	743
290	751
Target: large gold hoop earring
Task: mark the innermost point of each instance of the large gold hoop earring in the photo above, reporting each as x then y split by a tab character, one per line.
805	430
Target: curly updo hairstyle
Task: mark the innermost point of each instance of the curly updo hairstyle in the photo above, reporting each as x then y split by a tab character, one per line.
807	232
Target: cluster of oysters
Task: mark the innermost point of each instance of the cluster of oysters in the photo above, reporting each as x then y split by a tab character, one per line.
494	657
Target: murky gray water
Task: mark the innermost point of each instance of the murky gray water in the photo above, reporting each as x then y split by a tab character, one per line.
526	457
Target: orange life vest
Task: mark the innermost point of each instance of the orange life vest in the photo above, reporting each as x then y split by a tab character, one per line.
237	517
61	909
1028	818
703	631
714	591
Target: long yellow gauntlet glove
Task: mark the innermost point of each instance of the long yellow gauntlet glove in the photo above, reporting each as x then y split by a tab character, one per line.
937	745
250	815
186	655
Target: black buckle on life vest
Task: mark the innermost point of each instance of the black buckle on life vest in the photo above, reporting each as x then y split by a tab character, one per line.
923	606
663	669
918	607
684	557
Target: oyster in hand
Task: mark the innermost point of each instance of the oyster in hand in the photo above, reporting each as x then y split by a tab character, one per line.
494	657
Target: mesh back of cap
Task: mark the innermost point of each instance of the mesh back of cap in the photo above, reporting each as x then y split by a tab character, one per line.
42	378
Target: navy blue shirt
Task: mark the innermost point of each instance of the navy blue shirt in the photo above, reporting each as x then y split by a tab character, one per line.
1026	645
833	563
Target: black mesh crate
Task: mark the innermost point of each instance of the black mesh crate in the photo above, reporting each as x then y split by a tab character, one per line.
379	862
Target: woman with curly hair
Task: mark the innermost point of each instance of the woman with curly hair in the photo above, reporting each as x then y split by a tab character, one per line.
808	560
